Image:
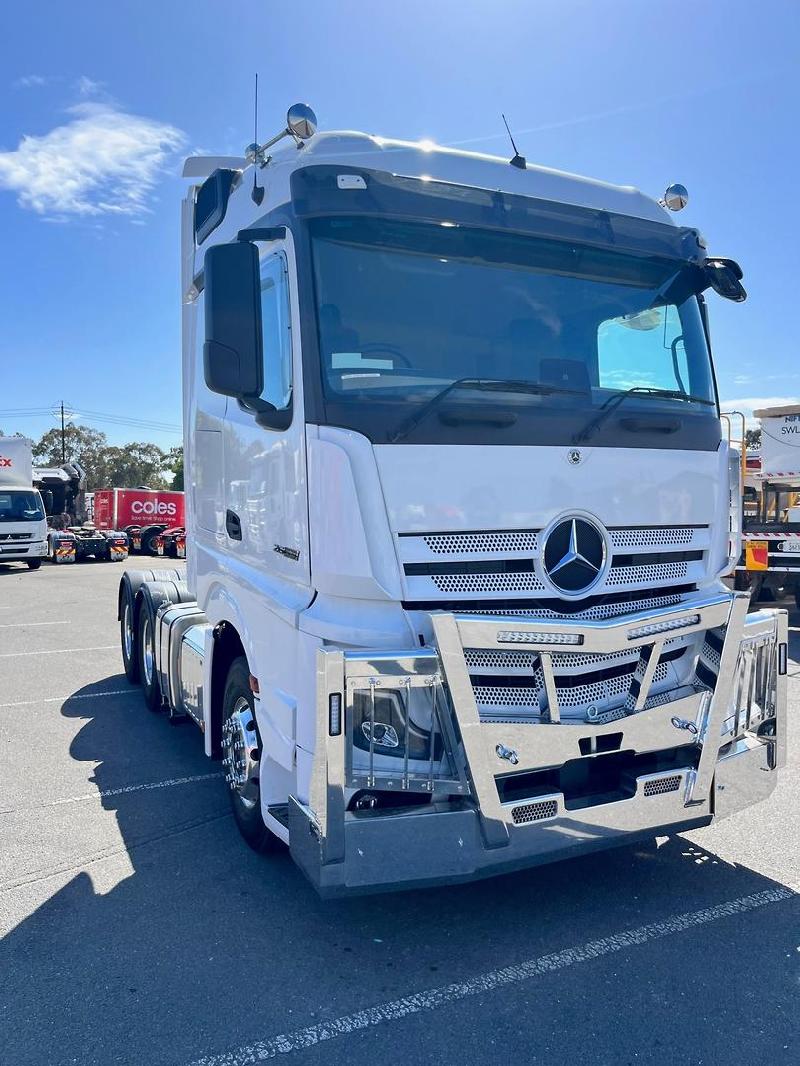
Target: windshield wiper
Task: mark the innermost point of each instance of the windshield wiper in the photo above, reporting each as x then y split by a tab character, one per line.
483	384
610	406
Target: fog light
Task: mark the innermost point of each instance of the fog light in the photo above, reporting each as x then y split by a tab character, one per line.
366	802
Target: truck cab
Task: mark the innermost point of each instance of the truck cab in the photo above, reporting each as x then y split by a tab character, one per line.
23	524
458	508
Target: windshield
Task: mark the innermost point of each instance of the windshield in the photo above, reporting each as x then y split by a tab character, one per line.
407	309
21	506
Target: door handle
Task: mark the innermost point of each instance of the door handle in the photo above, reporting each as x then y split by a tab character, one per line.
233	525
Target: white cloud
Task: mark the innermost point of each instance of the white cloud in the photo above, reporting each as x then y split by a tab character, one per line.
31	81
754	403
88	86
103	161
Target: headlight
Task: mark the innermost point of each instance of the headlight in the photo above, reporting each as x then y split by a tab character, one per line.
398	724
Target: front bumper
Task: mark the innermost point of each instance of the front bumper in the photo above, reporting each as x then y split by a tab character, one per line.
513	795
17	552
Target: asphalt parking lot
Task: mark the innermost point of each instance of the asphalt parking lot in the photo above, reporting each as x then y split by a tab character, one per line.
138	928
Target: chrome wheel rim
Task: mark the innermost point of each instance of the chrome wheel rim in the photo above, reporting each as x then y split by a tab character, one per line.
241	753
127	631
147	651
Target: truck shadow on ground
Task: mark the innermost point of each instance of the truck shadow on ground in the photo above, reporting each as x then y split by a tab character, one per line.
142	971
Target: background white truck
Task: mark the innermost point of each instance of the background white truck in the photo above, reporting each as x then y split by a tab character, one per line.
460	506
770	560
23	525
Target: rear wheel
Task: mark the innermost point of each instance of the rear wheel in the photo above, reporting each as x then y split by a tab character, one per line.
241	757
151	689
127	638
34	564
148	540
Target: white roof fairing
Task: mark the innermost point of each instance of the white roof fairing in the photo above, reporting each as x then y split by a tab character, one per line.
412	159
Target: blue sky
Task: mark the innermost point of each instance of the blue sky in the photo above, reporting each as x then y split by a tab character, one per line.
101	101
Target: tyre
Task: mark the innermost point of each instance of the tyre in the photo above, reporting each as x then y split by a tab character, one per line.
148	540
146	657
34	564
127	638
241	757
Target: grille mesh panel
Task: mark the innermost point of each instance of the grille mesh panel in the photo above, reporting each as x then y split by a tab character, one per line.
646	575
662	785
532	695
642	538
481	543
601	610
525	582
534	812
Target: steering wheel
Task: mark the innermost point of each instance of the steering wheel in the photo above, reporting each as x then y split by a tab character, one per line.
377	346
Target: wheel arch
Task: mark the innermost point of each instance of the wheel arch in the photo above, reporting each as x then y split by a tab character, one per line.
227	646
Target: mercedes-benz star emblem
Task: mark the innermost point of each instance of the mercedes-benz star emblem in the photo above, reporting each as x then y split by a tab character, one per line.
574	554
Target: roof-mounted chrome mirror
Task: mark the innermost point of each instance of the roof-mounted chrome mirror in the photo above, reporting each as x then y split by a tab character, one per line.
301	121
675	198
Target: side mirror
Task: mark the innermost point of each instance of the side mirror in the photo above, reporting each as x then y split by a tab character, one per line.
725	278
232	353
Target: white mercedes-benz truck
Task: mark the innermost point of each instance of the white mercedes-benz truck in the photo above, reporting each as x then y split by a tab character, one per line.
459	504
23	525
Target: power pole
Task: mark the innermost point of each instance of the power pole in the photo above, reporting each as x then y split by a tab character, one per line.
63	445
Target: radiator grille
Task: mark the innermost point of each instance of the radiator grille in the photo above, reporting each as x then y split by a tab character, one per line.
642	538
534	812
656	574
481	543
662	785
525	582
533	695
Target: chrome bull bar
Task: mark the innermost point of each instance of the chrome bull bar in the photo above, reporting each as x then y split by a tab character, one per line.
751	668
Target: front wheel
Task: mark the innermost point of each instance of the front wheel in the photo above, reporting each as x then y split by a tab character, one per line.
34	564
241	757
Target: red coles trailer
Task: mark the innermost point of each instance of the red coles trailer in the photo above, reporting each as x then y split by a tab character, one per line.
142	513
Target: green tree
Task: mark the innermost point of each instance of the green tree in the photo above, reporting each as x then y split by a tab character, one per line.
81	444
752	438
175	464
136	464
107	466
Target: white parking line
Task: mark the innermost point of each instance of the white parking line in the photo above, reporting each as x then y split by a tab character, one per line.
56	651
64	699
434	998
27	625
124	790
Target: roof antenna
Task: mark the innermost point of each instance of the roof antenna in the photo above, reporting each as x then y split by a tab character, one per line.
518	160
257	193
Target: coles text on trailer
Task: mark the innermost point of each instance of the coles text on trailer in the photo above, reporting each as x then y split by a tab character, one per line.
445	613
141	513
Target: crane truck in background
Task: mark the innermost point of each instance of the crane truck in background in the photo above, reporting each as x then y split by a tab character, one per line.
23	523
459	511
770	559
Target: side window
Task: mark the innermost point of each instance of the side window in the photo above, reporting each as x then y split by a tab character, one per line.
275	324
645	349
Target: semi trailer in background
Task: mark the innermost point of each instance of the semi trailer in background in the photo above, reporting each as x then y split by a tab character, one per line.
459	514
23	523
142	514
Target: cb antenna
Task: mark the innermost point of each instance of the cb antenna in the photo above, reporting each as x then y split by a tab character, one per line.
518	160
257	193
